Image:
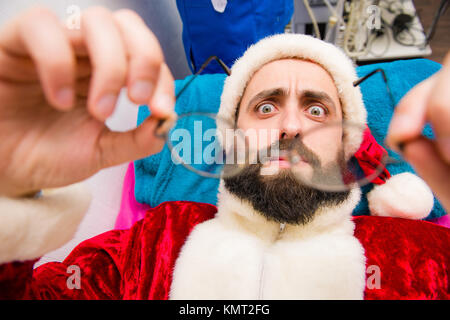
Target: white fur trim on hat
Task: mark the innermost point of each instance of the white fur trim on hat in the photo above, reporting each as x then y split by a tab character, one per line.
283	46
30	228
404	195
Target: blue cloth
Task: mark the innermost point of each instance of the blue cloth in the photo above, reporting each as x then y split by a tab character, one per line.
227	35
158	179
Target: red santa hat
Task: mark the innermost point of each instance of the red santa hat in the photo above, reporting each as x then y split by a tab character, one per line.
403	195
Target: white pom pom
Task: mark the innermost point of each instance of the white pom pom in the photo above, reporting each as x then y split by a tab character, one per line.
404	195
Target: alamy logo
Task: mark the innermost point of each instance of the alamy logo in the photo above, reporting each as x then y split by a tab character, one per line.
373	277
73	21
211	147
74	280
374	17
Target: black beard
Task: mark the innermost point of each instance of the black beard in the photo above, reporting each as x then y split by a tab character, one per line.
281	197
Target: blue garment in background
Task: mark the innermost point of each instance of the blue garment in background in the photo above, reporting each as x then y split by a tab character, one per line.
227	35
158	179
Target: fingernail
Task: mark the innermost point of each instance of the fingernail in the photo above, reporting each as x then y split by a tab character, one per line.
399	125
65	97
141	91
105	105
164	104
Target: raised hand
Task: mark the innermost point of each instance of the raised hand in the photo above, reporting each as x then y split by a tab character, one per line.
58	86
429	101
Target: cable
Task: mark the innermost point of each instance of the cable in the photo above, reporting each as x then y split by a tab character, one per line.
442	8
313	18
383	31
355	31
359	41
330	7
340	25
333	20
401	26
391	4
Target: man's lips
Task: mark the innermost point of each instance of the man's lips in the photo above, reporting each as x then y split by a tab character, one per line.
280	162
283	162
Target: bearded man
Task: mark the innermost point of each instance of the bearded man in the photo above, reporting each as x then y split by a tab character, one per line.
271	237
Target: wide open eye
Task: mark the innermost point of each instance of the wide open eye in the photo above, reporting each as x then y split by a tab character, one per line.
266	108
317	111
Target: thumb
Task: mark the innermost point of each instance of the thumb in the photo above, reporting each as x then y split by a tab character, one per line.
115	148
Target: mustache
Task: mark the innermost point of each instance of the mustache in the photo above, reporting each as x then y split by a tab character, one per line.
292	146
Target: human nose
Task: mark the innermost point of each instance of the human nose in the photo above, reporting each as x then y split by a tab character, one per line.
291	126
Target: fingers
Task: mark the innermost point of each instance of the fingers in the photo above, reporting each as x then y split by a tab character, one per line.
108	58
110	51
409	116
426	160
120	51
39	34
17	69
149	79
438	110
137	62
119	147
145	56
427	102
163	101
77	41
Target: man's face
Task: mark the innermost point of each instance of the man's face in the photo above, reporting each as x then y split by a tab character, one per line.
293	97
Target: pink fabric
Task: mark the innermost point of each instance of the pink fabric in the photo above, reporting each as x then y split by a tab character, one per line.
131	211
443	221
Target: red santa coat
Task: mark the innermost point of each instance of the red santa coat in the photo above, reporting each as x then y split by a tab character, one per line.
412	256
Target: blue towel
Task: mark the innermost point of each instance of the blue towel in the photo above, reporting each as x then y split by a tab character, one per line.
158	179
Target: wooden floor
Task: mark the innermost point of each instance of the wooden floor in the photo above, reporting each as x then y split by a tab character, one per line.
440	43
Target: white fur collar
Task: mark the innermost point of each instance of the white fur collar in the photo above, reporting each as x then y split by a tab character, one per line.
241	255
241	213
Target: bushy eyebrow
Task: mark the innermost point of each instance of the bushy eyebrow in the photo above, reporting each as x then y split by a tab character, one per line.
318	95
275	92
303	95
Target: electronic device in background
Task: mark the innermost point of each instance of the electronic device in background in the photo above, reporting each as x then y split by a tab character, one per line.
400	34
312	16
366	30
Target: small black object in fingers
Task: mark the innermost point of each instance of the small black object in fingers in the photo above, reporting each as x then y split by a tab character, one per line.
401	146
158	126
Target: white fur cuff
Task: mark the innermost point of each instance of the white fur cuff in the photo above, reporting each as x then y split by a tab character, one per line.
30	228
